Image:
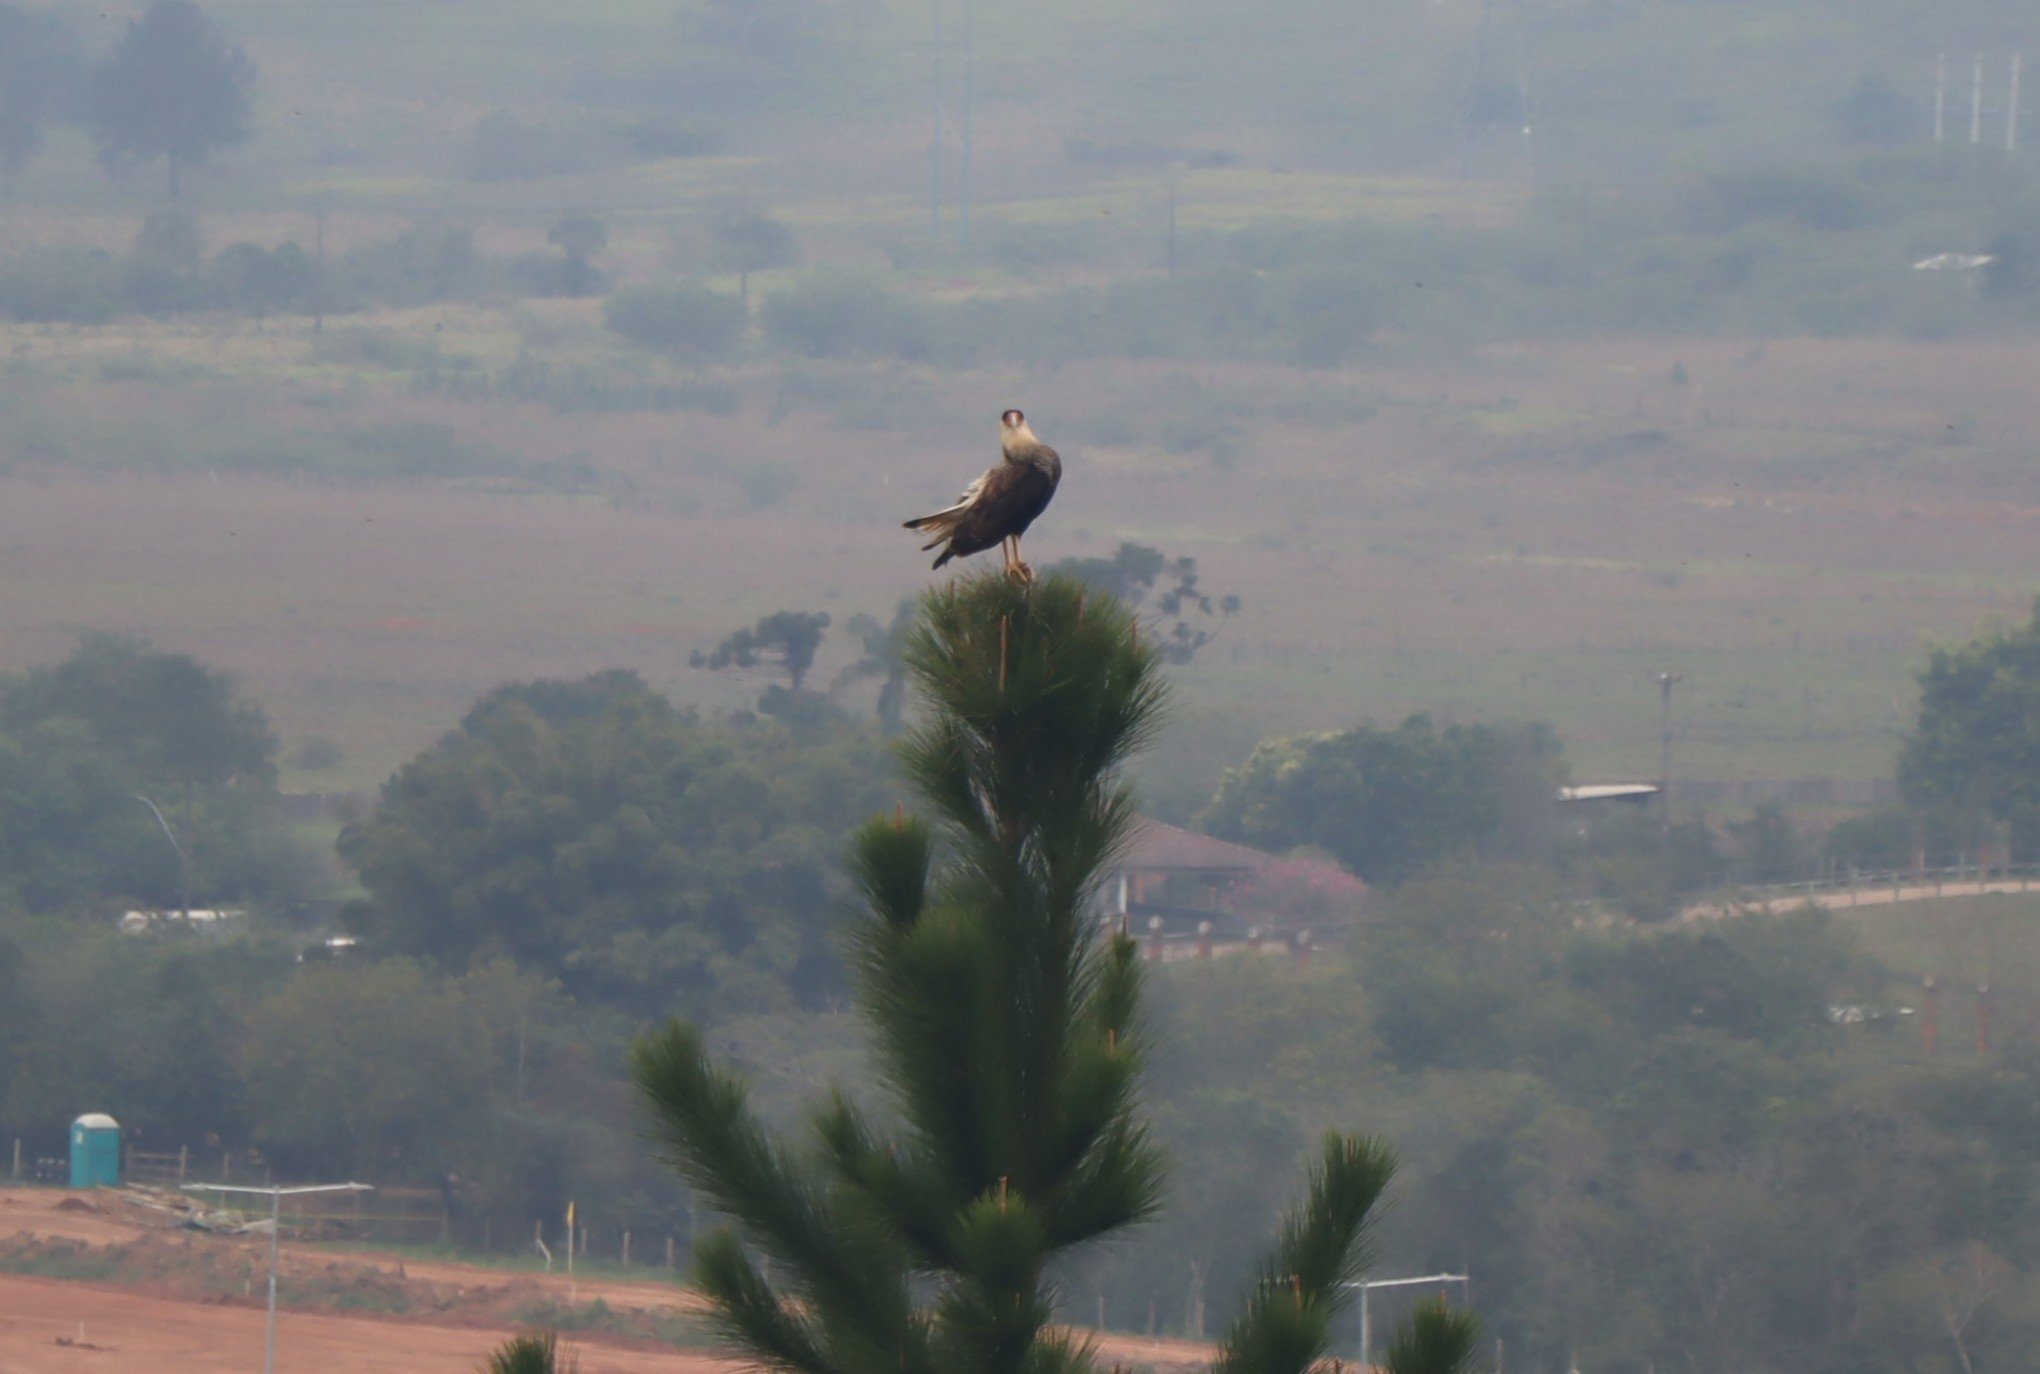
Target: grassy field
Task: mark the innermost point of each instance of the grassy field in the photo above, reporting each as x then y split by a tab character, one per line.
367	528
1520	532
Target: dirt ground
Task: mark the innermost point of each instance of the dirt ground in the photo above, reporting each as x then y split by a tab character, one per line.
51	1326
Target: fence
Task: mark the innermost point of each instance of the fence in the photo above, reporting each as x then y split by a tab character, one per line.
1861	888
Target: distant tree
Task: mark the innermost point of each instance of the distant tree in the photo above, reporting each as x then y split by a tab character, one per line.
791	637
747	241
579	238
1876	111
883	658
368	1068
846	315
38	63
1388	802
173	87
590	831
80	739
164	275
1769	848
1134	574
170	719
1976	745
678	318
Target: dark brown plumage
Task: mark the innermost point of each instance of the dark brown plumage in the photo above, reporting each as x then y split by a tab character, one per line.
999	506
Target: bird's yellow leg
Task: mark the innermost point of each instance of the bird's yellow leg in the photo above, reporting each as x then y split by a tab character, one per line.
1020	568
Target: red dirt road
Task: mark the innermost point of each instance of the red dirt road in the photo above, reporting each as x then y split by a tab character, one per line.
113	1330
124	1331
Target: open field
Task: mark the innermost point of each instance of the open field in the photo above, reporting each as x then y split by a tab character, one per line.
1525	532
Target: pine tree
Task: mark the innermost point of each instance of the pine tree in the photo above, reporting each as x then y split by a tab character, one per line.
1007	1039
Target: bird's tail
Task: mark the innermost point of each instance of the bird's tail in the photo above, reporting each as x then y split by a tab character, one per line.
945	518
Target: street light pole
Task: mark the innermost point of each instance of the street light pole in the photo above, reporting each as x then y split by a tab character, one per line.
183	859
276	1196
1368	1285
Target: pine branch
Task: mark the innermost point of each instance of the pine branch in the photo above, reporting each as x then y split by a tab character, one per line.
1286	1326
850	1277
537	1353
1435	1340
749	1314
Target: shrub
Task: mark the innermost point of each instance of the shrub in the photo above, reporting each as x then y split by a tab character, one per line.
678	318
835	315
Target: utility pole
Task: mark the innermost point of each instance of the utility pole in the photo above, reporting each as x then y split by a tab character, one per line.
1172	226
1665	682
1940	97
276	1196
1976	103
969	84
1366	1286
319	271
935	138
2012	107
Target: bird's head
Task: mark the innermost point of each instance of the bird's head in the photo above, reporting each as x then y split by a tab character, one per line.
1014	431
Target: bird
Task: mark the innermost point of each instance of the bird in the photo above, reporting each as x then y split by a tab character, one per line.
999	506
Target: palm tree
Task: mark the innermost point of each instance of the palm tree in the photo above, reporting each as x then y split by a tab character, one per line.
1007	1039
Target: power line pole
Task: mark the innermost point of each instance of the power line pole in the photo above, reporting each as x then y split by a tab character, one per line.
1976	103
1366	1286
1665	682
935	138
2012	107
969	84
1940	98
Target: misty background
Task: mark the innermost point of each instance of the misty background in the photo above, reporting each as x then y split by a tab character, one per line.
451	460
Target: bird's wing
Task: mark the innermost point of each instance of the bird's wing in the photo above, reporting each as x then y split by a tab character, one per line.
970	496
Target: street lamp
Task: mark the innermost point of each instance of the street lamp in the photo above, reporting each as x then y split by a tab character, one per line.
183	859
276	1196
1367	1285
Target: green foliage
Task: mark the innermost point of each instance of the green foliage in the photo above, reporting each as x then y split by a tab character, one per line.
579	238
537	1353
1135	570
884	647
173	87
1769	981
838	315
1436	1340
1976	746
792	637
82	740
590	830
682	319
1006	1040
1286	1325
365	1070
1004	1032
1387	803
746	241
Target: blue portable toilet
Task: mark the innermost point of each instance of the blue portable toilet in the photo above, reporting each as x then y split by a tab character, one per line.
95	1151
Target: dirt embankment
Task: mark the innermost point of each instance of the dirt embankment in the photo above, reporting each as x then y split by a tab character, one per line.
102	1282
